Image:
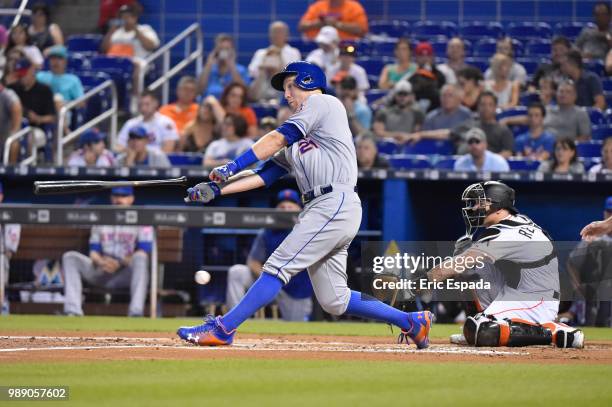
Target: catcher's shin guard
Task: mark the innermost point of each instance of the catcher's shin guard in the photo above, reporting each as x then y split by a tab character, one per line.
483	330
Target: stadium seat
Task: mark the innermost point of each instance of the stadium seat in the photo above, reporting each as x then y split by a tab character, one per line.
303	46
478	62
373	65
373	95
183	159
84	43
512	112
528	30
446	163
589	162
607	84
409	161
101	102
478	29
540	47
381	48
120	70
597	116
262	111
439	46
424	30
589	148
523	164
393	29
485	47
596	67
601	132
571	30
608	96
530	64
528	98
387	146
441	147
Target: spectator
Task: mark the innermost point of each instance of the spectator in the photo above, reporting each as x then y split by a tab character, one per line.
199	133
19	39
594	42
3	44
499	138
427	80
346	66
267	61
327	54
400	117
109	11
479	157
588	85
506	91
439	122
36	98
43	33
564	159
184	110
161	129
367	153
295	299
547	90
10	120
455	52
92	151
66	87
517	71
566	119
221	68
560	46
266	125
359	113
9	75
234	100
139	151
232	143
346	16
605	167
118	258
536	143
469	79
12	234
402	69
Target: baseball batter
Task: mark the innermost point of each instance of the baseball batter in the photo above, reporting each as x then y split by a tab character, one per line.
521	265
316	145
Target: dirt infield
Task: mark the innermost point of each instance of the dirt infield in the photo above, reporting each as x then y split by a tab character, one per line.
23	346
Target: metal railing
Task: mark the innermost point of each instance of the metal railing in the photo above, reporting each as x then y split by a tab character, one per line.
17	12
15	137
111	113
164	52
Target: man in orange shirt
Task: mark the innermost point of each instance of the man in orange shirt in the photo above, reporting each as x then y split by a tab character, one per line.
347	16
185	109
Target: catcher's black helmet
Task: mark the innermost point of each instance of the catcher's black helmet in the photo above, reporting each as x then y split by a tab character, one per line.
476	197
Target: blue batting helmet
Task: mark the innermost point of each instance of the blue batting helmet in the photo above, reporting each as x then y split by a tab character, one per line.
308	76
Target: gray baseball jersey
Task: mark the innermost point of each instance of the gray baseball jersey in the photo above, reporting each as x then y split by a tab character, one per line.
324	155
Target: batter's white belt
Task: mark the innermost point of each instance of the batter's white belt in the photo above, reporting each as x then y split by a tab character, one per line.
326	189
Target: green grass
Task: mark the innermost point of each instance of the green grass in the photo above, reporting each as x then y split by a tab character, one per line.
238	382
168	325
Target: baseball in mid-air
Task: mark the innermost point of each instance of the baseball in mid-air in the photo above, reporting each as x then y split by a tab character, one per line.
202	277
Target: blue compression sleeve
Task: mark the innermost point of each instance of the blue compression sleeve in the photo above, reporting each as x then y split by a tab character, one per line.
364	306
291	132
269	171
245	160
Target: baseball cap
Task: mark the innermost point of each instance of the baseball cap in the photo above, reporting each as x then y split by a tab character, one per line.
21	66
608	204
402	86
475	133
138	132
127	8
58	51
122	191
327	35
348	48
423	48
288	195
90	137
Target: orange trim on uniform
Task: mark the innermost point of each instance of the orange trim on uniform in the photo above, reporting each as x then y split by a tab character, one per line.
504	334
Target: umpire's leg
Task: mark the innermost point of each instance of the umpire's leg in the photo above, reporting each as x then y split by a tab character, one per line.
76	267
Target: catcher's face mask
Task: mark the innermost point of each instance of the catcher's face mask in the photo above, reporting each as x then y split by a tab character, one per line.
476	206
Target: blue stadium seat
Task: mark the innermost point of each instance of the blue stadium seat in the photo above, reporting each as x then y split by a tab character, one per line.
518	47
596	67
571	30
97	104
303	46
439	46
426	29
608	96
183	159
393	29
387	146
373	65
479	29
410	161
479	62
84	43
607	84
262	111
589	148
530	64
485	47
441	147
527	30
540	47
596	115
601	132
373	95
446	163
589	162
528	98
120	70
373	81
381	48
523	164
512	112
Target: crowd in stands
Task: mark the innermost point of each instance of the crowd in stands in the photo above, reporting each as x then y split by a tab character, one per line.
488	102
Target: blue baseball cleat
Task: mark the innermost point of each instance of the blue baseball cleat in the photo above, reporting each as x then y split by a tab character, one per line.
210	333
419	329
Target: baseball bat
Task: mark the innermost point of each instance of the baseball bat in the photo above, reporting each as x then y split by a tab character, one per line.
72	186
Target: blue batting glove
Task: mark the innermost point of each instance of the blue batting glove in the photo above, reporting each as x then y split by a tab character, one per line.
203	192
222	173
